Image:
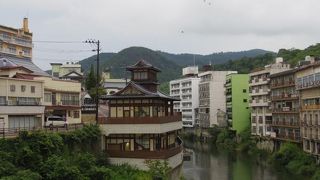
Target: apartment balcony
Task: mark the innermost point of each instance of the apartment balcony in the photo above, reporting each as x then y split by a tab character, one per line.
259	92
16	41
70	102
289	137
310	107
282	84
141	120
285	97
254	103
286	124
20	103
285	110
146	154
312	84
260	81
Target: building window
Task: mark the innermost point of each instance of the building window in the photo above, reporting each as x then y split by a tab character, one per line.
245	100
47	97
140	75
69	113
12	88
23	88
244	90
33	89
76	114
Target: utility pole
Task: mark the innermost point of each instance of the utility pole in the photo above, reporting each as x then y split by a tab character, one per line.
97	43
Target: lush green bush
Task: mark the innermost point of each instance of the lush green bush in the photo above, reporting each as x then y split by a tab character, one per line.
69	155
226	139
23	175
293	159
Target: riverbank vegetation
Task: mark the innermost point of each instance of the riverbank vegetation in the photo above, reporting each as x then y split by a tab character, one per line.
289	157
71	155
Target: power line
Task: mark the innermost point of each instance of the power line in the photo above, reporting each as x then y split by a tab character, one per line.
61	50
65	42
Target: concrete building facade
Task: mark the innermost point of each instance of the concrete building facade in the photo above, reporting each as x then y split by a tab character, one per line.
212	98
285	108
260	102
187	89
237	102
68	71
308	86
16	42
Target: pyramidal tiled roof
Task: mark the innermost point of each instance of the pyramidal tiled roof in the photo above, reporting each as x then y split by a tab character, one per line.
26	63
143	64
146	93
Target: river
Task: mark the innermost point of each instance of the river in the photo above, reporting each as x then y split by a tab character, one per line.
209	163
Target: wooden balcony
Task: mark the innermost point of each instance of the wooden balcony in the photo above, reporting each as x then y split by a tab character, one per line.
146	154
140	120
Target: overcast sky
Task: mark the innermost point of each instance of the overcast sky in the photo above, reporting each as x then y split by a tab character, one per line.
177	26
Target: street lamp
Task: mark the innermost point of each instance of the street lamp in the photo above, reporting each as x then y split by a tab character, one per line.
97	43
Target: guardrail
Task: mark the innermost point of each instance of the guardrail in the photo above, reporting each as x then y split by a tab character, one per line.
14	132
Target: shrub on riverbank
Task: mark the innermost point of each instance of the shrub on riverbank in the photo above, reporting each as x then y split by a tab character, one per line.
70	155
294	160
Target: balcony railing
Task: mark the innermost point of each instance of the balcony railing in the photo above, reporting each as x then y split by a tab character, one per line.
16	41
312	84
282	84
312	106
291	137
141	120
285	97
20	103
289	124
146	154
70	102
285	110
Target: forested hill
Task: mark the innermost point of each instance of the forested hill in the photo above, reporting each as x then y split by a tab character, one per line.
291	56
170	64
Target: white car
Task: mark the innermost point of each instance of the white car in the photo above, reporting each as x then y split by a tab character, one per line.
52	121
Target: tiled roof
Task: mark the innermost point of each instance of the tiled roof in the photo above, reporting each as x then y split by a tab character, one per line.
142	64
13	61
147	93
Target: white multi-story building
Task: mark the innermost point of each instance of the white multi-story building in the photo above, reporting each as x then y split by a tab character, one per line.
187	89
259	91
212	98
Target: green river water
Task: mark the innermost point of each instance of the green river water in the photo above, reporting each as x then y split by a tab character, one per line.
211	163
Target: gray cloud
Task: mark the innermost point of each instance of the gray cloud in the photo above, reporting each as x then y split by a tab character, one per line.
225	25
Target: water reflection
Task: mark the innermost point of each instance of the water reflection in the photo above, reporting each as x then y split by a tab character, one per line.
210	163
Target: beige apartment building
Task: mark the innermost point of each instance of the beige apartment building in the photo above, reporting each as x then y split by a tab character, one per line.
20	100
308	85
260	103
16	42
285	108
62	98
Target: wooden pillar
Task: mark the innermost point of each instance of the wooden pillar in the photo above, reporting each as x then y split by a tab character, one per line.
171	108
166	108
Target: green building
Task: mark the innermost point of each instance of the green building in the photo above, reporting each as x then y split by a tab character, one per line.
237	101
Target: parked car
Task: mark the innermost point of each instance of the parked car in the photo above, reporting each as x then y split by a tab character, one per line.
52	121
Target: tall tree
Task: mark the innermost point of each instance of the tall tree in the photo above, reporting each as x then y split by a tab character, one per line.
90	80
